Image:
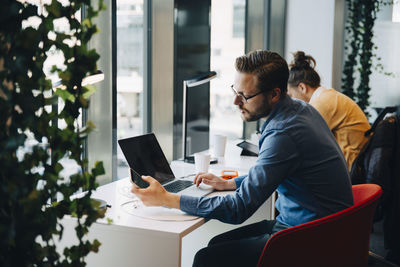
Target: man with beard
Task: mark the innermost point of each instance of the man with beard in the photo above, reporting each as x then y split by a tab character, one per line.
299	158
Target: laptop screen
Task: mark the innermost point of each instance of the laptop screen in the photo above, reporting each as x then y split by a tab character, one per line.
145	156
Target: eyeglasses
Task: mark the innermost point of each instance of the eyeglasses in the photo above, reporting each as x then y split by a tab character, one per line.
243	98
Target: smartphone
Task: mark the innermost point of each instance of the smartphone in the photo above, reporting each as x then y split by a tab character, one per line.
136	178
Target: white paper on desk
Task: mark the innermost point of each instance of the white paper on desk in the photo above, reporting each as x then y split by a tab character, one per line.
156	213
125	190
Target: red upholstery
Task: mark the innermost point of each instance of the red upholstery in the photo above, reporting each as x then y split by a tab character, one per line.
340	239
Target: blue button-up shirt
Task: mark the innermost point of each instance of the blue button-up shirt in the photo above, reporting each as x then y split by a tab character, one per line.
300	159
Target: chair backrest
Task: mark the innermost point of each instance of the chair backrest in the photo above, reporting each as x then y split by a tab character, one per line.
380	117
340	239
373	163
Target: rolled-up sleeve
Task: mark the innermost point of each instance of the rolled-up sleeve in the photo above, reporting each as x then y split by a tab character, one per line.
277	159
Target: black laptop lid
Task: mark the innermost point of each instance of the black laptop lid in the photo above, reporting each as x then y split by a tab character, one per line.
145	156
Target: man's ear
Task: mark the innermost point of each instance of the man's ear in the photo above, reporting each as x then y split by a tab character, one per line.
303	88
276	95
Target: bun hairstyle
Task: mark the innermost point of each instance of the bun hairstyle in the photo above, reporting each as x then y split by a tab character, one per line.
301	70
301	60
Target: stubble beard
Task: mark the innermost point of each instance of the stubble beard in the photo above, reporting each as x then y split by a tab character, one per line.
262	112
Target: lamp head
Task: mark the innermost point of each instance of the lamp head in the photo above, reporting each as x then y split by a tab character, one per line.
200	79
91	79
94	78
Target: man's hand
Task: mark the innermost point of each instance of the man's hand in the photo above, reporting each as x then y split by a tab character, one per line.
155	194
216	182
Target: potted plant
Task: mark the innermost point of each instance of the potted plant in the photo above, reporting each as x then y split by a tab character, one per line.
34	196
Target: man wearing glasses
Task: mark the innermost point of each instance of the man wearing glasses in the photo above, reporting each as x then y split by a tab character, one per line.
299	158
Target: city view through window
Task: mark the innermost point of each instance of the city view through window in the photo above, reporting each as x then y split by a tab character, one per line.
227	43
129	74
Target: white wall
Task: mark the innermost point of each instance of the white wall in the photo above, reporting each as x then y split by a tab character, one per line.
385	90
310	28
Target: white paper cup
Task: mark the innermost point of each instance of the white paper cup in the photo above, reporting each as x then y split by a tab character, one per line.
201	162
219	145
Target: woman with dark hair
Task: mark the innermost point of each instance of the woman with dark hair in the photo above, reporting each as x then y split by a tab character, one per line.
344	117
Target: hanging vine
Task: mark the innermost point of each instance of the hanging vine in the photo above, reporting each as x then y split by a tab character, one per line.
34	196
352	46
368	15
359	48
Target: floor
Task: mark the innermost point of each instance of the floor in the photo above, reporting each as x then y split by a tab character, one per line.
377	248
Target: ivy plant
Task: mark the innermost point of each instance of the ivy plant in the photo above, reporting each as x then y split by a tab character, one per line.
34	195
360	49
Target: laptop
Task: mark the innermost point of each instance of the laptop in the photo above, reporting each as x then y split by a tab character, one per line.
144	155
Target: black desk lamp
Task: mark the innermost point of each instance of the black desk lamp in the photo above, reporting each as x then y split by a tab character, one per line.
192	82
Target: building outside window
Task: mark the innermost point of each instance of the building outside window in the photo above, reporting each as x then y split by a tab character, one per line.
129	74
238	18
227	43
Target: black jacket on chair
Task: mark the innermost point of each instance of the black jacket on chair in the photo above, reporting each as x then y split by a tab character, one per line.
379	163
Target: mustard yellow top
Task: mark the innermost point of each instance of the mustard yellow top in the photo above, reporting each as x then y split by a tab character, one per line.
345	118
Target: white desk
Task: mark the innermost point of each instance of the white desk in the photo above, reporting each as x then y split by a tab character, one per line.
133	241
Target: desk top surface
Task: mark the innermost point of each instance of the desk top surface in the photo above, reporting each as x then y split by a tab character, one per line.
118	193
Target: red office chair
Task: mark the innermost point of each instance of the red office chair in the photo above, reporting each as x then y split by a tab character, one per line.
340	239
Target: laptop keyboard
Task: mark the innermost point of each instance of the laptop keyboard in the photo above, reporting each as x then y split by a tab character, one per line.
178	185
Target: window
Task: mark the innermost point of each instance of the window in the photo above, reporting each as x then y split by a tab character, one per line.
238	18
129	75
396	12
387	40
225	46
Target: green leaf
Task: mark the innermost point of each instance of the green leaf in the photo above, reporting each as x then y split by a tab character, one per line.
51	100
95	245
29	11
58	167
98	168
65	76
89	90
65	95
54	8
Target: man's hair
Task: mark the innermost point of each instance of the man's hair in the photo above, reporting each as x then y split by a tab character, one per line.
302	70
269	67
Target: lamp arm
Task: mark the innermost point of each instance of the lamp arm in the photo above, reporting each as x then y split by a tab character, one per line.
184	113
